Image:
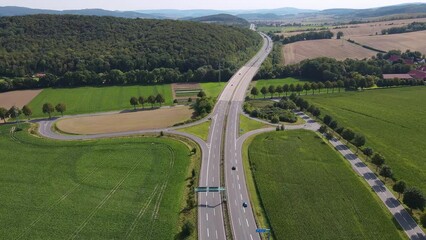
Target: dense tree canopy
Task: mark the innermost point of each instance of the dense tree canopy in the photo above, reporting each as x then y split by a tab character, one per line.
88	50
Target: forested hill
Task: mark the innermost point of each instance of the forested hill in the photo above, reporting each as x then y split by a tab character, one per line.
224	19
86	50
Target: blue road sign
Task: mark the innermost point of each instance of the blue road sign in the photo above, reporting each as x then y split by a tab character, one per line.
262	230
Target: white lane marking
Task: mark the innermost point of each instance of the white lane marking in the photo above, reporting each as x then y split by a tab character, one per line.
239	221
206	203
251	237
208	158
235	154
244	210
238	177
213	195
216	235
207	216
241	196
235	202
239	186
213	179
214	211
208	233
247	222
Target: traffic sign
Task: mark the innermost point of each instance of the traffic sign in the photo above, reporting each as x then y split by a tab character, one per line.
262	230
209	189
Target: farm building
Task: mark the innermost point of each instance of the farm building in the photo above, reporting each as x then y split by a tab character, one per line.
398	76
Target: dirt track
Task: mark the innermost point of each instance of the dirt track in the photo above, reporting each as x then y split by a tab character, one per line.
123	122
17	98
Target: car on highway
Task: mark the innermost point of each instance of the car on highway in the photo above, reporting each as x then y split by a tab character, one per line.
245	204
233	168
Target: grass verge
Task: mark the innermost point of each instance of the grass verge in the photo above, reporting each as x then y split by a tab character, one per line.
201	130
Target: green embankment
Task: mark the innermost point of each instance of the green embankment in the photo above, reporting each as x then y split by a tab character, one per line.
308	191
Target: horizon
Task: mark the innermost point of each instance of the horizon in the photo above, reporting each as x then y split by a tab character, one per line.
129	5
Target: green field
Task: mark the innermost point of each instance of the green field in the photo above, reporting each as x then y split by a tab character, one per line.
280	81
100	189
97	99
200	130
308	191
247	124
393	122
213	89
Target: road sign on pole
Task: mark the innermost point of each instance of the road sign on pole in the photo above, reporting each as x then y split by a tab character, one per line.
209	189
264	230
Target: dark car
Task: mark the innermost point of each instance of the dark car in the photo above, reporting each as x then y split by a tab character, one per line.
245	204
233	168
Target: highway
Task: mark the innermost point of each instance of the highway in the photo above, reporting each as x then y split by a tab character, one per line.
226	113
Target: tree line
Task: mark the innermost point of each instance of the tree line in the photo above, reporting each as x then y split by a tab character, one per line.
328	69
89	50
312	35
159	98
412	27
15	112
412	196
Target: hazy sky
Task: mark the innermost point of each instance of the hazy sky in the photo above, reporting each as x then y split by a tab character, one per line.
198	4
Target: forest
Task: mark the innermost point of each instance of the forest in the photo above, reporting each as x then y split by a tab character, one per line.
87	50
412	27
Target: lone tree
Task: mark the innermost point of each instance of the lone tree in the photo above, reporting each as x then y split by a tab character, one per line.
327	119
378	160
142	101
306	87
61	108
254	92
359	141
271	90
339	35
48	109
348	135
160	99
264	91
299	88
14	112
279	90
151	100
423	220
3	114
134	102
386	172
200	94
27	111
414	199
286	89
368	152
399	187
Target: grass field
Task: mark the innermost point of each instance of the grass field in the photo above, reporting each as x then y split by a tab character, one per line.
392	121
101	189
92	99
309	192
213	89
200	130
338	49
247	124
280	81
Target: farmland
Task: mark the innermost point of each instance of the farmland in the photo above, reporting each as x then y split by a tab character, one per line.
17	98
413	41
103	99
124	122
338	49
309	192
109	189
392	122
92	99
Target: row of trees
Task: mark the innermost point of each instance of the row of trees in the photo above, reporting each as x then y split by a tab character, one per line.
159	98
312	35
413	197
297	88
412	27
14	112
329	69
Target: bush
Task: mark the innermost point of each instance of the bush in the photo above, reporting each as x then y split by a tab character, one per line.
288	117
275	119
423	220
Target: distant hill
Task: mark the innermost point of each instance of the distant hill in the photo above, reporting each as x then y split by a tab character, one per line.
223	19
378	12
21	11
